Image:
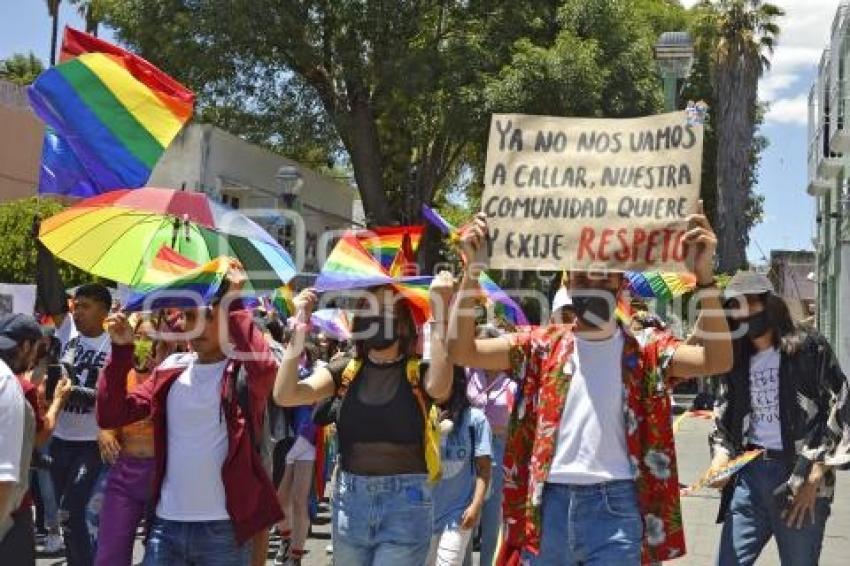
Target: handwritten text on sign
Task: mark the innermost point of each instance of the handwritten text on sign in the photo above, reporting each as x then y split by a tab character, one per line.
578	193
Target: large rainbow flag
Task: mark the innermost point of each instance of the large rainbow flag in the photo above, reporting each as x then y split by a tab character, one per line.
110	114
166	266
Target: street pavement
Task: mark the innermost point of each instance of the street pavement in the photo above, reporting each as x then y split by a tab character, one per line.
699	511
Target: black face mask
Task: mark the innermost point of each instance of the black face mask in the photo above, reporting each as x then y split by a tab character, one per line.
594	309
757	325
377	332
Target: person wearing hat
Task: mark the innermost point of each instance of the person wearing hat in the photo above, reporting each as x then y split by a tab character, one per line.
785	395
563	311
20	423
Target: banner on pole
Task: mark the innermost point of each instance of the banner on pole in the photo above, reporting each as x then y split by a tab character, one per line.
584	193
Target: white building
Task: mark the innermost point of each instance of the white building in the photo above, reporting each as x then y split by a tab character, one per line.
248	177
829	183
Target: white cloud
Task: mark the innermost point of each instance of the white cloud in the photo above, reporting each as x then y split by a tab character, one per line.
793	110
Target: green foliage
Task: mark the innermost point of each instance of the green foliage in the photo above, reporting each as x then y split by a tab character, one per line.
17	246
21	69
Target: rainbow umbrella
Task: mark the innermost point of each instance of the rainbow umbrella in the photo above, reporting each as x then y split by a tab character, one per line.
118	234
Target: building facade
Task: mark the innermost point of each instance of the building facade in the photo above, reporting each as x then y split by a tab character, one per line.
793	275
20	143
829	184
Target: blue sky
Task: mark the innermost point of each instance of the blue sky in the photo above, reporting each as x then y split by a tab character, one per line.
789	216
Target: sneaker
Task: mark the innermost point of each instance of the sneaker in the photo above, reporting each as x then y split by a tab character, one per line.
282	558
329	549
54	544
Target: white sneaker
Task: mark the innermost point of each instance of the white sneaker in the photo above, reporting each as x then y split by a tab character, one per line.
329	549
54	544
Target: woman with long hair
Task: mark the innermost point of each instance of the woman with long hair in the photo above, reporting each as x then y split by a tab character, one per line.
382	505
783	397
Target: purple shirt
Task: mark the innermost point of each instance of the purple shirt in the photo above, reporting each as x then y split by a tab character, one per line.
495	398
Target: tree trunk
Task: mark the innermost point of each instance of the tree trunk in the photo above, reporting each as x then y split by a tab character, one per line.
735	91
54	33
364	148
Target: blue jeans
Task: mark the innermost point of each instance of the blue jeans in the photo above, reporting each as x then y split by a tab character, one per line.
382	520
198	543
754	516
75	469
47	493
491	513
590	525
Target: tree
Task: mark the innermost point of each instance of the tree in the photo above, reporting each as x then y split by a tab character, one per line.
17	249
92	13
53	10
21	69
744	35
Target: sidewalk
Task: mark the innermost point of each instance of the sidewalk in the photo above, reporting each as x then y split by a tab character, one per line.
699	510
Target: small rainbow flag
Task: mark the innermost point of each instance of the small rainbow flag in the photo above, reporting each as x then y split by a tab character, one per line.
192	289
508	307
717	474
437	220
656	285
350	266
404	262
416	290
111	114
166	266
333	322
281	301
384	242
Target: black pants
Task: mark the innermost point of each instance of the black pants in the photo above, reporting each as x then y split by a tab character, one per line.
76	467
18	546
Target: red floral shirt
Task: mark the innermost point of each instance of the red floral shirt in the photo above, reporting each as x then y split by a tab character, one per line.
541	355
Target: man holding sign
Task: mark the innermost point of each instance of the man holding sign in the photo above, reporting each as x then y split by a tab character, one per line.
590	467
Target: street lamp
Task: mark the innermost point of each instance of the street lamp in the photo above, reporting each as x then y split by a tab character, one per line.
674	54
289	180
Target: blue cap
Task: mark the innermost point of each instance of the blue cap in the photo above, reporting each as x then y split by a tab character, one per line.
15	328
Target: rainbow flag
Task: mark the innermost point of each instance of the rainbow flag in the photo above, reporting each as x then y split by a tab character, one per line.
333	322
113	114
656	285
717	474
437	220
384	242
350	266
404	262
416	291
281	301
503	304
166	266
192	289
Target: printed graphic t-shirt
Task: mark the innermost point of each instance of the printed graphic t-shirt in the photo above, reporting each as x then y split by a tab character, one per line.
765	429
77	421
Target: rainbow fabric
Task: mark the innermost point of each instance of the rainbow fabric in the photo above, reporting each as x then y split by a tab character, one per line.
502	302
111	115
333	322
656	285
192	289
166	266
350	266
437	220
281	301
385	242
731	468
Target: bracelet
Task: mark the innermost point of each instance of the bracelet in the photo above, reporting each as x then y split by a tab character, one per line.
712	285
296	325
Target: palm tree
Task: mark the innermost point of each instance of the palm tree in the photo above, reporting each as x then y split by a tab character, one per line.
53	10
746	32
21	69
91	11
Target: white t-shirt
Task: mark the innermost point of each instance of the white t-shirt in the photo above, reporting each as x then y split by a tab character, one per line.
77	422
192	489
765	429
17	431
591	444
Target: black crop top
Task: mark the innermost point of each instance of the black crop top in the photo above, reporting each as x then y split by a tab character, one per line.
379	426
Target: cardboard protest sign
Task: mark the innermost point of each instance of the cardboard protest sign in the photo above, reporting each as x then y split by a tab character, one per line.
17	299
583	193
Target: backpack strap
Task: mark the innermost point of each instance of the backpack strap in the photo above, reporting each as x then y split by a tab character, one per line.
351	371
242	395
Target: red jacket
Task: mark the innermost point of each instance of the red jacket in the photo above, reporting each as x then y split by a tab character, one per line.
251	498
